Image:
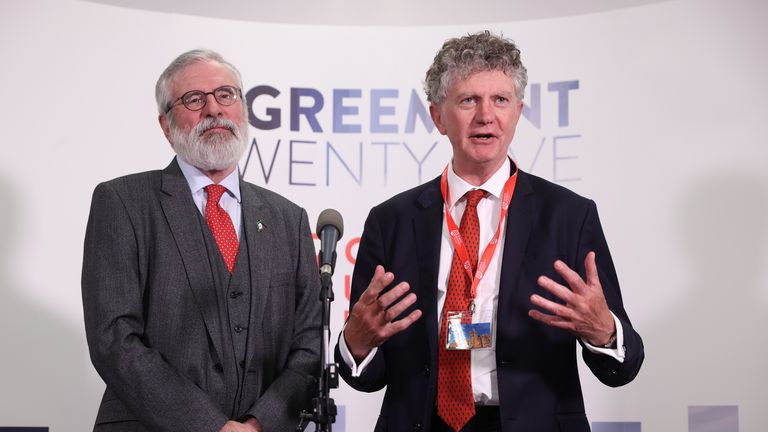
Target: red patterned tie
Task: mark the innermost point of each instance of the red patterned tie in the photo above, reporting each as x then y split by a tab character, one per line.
221	225
455	401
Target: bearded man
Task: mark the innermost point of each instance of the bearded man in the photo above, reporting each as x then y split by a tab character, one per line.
200	290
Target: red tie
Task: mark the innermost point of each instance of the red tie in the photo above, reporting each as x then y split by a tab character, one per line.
221	225
455	401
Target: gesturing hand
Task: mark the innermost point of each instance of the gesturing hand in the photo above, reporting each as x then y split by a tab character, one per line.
371	322
585	312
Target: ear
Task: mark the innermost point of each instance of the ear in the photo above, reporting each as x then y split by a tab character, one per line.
166	127
435	111
519	111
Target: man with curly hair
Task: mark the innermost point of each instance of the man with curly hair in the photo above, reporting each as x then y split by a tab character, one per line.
471	292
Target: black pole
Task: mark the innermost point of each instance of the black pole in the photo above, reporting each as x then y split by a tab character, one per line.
323	407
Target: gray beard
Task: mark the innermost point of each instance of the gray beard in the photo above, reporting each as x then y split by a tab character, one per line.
215	152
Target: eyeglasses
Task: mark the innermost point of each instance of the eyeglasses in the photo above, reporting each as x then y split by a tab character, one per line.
195	100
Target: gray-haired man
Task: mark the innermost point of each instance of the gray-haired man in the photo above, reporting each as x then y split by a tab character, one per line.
200	290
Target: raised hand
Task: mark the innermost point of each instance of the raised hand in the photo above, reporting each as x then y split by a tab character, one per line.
585	312
371	322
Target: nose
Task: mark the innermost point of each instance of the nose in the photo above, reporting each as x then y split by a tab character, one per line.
484	112
212	107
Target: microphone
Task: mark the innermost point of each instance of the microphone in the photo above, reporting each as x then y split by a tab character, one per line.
330	228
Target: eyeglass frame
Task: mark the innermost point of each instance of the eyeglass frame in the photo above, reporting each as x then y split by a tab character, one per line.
238	94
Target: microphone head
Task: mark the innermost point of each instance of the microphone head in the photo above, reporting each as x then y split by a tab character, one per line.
330	217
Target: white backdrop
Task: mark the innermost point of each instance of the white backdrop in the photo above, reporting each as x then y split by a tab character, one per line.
656	112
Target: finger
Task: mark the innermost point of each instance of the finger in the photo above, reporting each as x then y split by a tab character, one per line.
402	324
378	282
555	288
558	309
391	296
400	307
593	278
551	320
571	277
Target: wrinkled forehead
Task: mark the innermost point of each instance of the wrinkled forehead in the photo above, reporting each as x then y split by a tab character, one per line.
479	78
202	75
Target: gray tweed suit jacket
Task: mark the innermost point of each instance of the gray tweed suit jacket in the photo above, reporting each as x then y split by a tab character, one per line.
152	317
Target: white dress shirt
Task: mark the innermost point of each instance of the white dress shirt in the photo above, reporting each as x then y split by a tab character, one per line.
484	383
230	201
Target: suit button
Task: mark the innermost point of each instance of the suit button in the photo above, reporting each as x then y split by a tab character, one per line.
239	329
218	368
235	294
425	371
417	427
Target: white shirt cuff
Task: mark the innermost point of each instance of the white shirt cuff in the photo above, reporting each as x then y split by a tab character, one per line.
356	369
619	352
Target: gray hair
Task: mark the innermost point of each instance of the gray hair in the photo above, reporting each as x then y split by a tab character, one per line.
163	86
461	57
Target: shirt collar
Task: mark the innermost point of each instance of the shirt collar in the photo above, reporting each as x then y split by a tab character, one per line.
197	180
494	185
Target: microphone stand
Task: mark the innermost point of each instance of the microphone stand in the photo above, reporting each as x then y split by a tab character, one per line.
323	407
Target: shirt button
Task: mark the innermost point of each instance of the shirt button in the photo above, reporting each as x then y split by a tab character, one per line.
239	329
235	294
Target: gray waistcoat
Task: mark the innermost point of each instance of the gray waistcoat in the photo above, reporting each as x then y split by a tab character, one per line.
234	315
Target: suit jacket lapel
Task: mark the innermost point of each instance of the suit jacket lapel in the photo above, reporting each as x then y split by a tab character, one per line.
428	228
180	212
259	230
519	220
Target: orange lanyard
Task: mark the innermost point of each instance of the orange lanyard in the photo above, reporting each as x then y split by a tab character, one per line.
490	248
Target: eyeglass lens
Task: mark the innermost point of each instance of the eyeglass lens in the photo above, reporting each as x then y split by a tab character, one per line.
195	100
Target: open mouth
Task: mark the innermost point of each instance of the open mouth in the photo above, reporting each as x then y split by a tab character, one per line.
482	137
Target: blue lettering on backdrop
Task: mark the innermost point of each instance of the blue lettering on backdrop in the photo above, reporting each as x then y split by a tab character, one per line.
292	162
706	418
306	113
309	112
532	110
385	146
358	179
562	88
417	108
340	110
556	157
377	110
615	426
273	114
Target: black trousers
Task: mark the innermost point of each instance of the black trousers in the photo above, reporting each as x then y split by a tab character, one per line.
486	419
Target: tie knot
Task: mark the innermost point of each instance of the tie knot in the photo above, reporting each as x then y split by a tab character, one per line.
215	192
474	197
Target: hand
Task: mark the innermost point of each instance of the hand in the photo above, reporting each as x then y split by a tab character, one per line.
370	320
585	312
250	425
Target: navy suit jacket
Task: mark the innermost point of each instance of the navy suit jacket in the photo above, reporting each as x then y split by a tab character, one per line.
538	381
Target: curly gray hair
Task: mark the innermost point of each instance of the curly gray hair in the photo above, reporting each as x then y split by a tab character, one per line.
461	57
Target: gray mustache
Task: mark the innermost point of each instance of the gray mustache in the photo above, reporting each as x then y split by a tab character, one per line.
210	123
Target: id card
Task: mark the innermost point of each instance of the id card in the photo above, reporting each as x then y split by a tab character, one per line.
463	334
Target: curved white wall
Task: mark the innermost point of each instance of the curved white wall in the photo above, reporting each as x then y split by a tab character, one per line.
666	131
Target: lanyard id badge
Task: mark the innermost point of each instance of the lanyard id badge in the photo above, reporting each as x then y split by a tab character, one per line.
464	333
470	329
